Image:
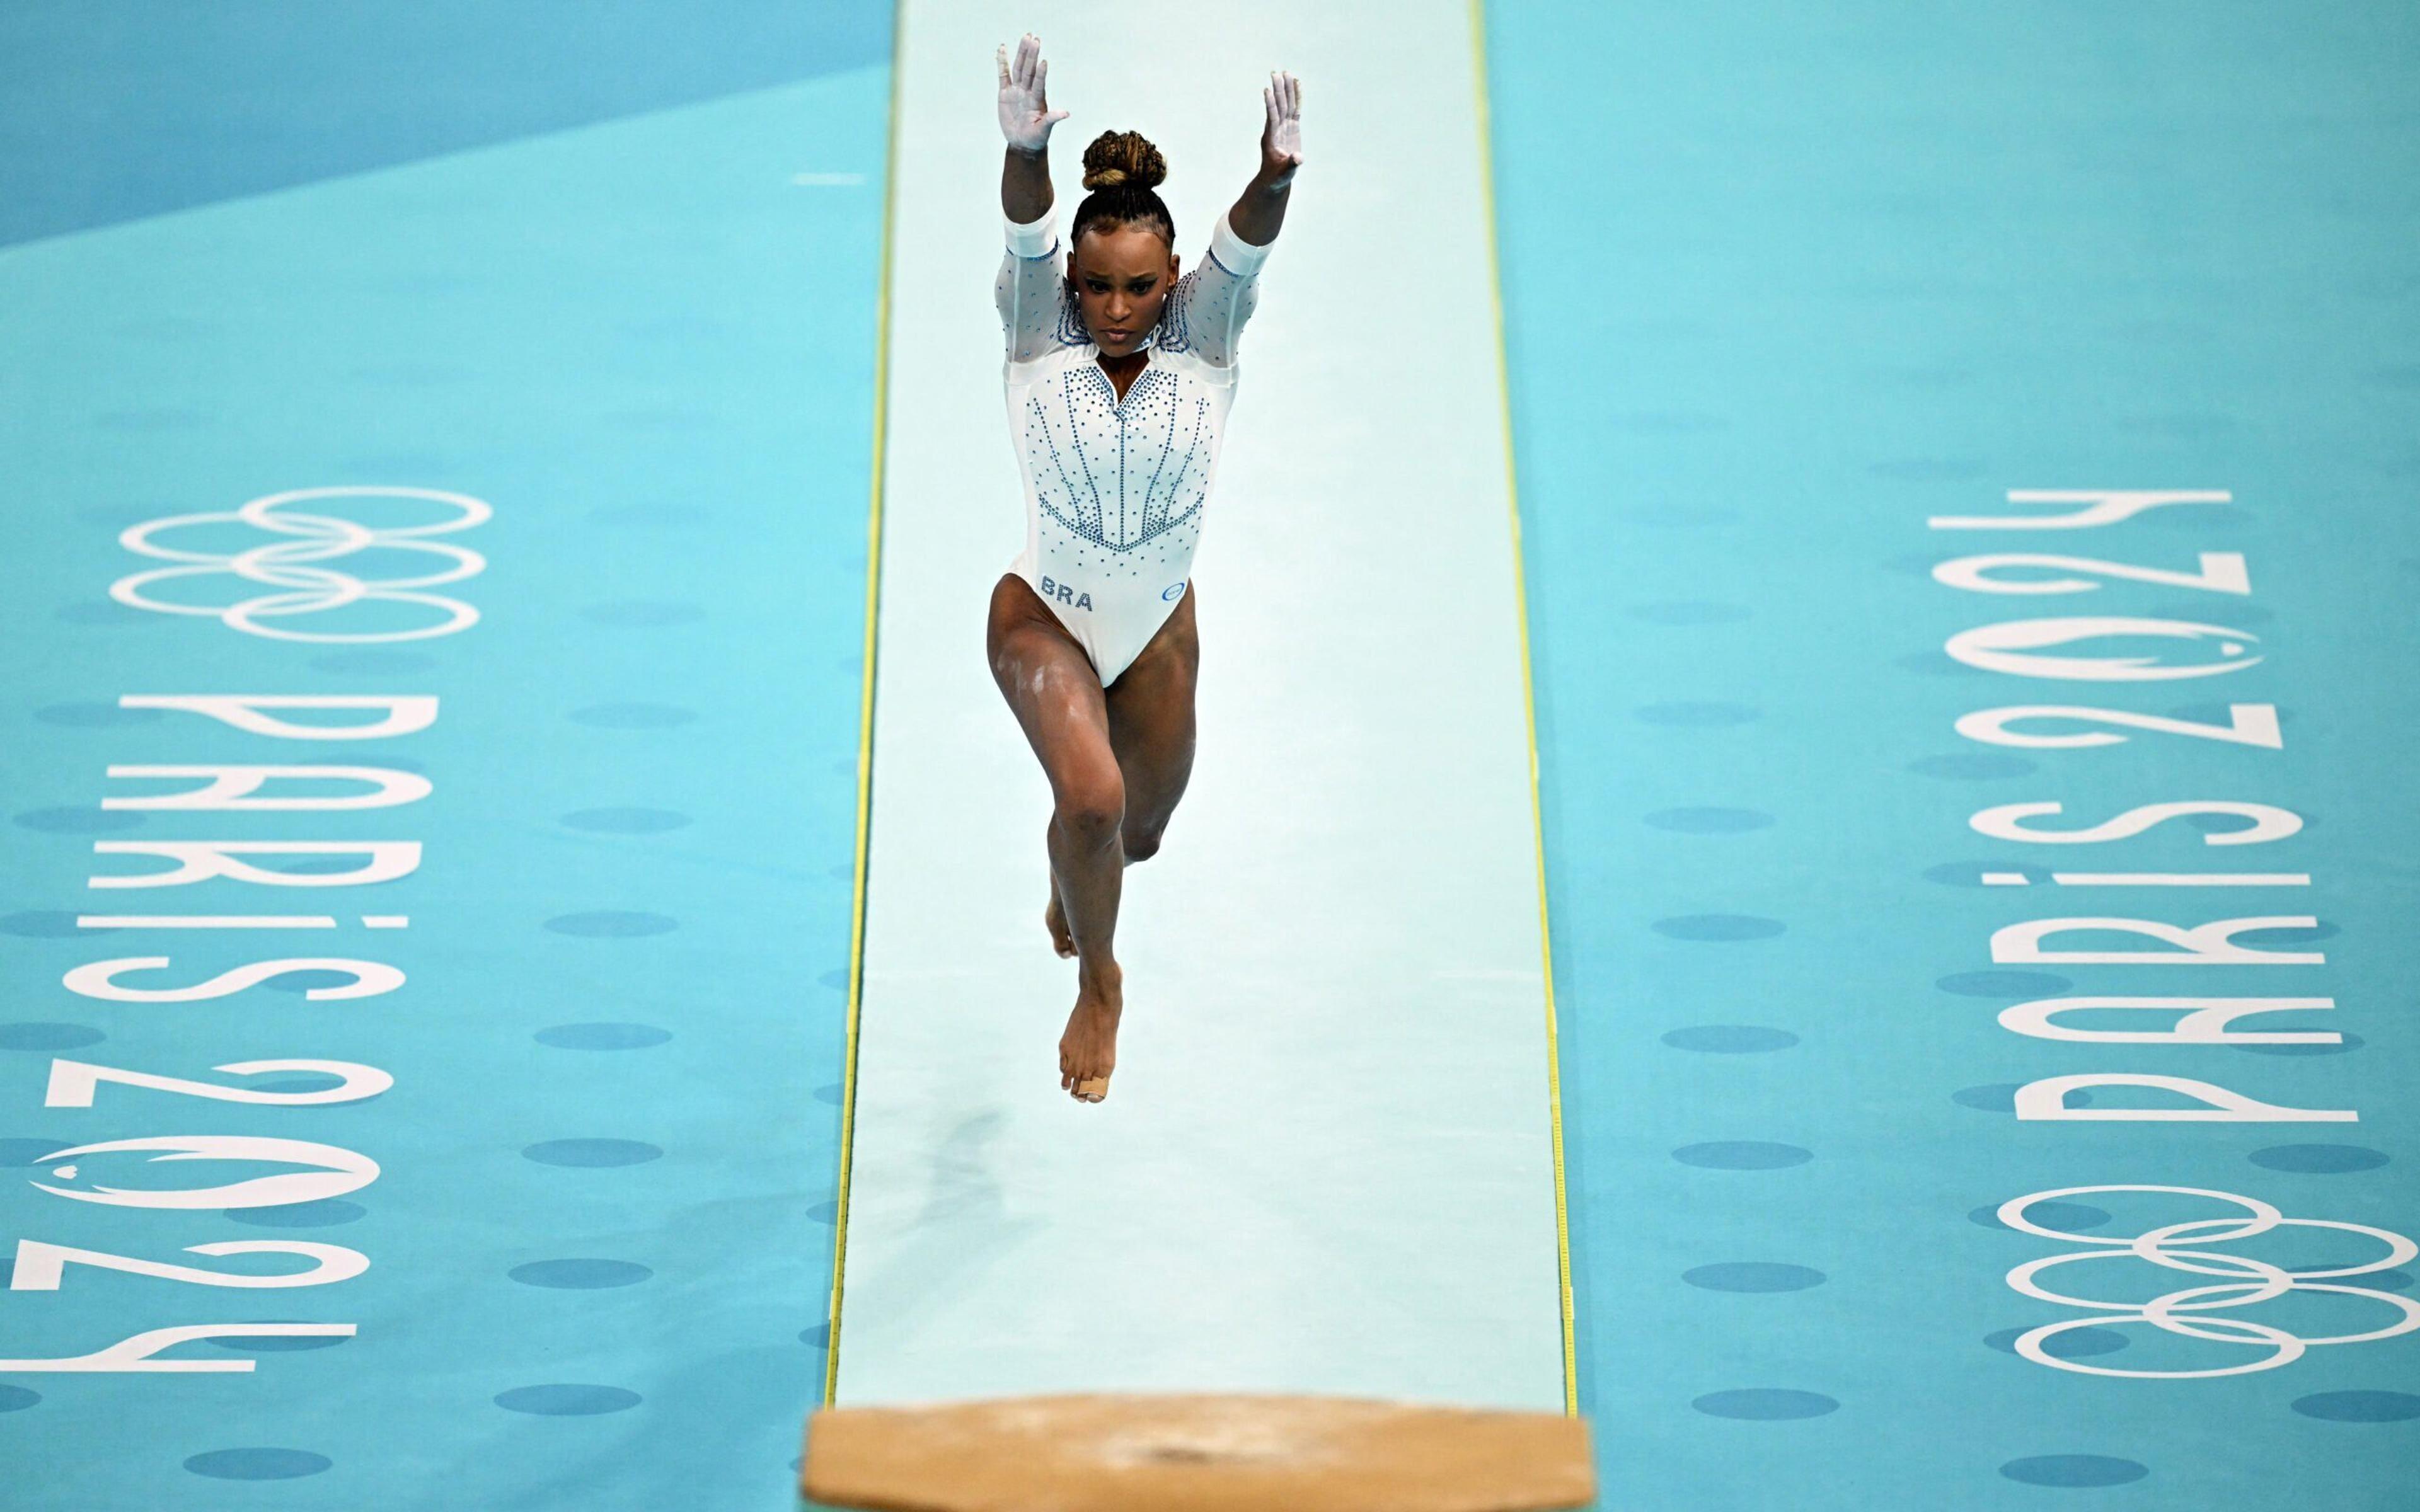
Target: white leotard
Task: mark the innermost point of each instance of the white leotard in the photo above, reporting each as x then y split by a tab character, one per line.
1114	491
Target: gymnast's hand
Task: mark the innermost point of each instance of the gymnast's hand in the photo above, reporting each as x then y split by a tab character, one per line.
1261	209
1025	114
1281	139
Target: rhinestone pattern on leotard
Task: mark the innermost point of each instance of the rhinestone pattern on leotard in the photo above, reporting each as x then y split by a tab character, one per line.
1117	474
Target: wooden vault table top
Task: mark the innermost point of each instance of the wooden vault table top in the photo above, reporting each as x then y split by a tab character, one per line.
1195	1453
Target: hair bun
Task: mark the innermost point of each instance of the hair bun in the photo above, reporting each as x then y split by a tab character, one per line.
1118	159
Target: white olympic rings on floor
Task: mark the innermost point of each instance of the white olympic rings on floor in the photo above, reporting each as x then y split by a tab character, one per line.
278	563
2254	1281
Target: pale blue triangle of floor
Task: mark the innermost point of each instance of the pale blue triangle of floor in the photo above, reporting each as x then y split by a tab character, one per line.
120	109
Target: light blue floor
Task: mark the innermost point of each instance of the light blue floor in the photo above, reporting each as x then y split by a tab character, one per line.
599	1237
1783	285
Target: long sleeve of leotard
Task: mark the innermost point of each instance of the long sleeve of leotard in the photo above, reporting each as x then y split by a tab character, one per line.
1207	311
1030	291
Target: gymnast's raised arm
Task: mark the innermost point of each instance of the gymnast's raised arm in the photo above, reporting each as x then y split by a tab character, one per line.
1261	209
1025	119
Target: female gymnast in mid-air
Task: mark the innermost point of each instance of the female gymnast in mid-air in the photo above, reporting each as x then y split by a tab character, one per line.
1119	377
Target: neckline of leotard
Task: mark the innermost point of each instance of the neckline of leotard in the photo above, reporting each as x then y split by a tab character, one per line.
1118	400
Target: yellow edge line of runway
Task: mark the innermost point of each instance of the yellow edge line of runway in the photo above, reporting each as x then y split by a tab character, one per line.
865	708
1529	708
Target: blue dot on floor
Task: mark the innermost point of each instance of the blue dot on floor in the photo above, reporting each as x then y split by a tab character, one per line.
277	1343
602	1036
310	866
1709	821
258	1464
2286	937
327	1212
17	1398
94	716
1718	926
2359	1405
1741	1155
42	924
1971	766
305	1081
2073	1470
818	1337
626	821
2001	1097
836	981
631	716
2068	1217
1689	714
1730	1039
20	1154
1765	1404
78	820
566	1401
579	1275
48	1036
2069	1344
1753	1275
2318	1160
2009	984
612	923
824	1213
589	1153
829	1094
2234	823
103	611
304	980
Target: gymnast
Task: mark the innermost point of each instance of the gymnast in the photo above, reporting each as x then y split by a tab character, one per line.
1119	377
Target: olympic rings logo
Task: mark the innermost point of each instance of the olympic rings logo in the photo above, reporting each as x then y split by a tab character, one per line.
314	537
2249	1282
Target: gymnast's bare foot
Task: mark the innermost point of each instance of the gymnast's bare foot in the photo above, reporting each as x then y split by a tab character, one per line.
1087	1052
1055	917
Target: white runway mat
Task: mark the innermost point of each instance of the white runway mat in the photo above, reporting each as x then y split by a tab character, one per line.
1326	1161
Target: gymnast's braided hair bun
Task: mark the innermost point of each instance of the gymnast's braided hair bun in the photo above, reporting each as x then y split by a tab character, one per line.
1118	158
1123	170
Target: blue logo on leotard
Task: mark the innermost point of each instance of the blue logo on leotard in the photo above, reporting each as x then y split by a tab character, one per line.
1174	592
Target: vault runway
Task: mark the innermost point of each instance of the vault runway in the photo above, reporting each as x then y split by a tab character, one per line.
1327	1164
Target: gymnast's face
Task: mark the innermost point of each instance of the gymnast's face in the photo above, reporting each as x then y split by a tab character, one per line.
1122	275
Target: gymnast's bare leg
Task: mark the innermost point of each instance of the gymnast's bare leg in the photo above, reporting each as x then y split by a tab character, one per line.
1117	760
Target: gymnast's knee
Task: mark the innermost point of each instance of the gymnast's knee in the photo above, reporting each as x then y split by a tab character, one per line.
1142	844
1091	813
